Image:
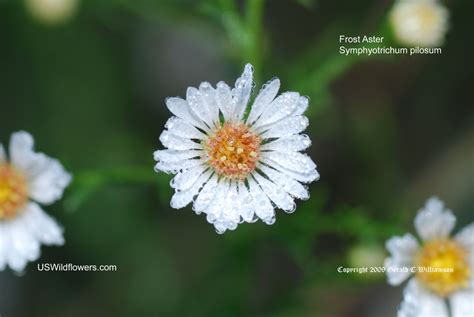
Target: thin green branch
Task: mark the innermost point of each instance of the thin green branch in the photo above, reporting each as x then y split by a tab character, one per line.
86	183
253	48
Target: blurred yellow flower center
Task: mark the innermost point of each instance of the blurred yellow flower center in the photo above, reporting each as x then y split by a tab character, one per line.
233	150
13	191
449	256
426	15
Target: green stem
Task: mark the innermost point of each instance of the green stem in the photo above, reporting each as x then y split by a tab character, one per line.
450	307
119	175
86	183
254	26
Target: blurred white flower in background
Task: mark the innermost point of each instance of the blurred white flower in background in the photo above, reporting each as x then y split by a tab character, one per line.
366	255
27	179
234	167
448	261
419	22
52	11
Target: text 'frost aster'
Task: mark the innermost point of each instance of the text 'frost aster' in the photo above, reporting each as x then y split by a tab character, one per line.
26	179
232	166
443	266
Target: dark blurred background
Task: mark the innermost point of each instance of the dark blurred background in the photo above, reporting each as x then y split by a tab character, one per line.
387	132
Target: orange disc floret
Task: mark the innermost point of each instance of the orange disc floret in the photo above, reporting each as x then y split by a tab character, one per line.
233	150
13	191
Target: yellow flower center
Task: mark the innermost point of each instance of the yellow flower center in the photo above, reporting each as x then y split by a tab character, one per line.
426	16
448	263
233	150
13	191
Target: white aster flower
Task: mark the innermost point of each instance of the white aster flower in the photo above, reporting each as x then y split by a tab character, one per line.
26	179
443	266
234	167
419	22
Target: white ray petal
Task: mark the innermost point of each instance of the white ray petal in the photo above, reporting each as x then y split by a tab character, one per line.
247	205
24	157
46	177
263	100
186	179
21	149
433	221
282	107
182	198
462	303
291	143
299	176
172	156
205	195
402	256
176	167
241	92
174	142
23	241
291	186
208	95
279	197
286	127
262	205
14	260
198	106
232	208
301	107
183	129
180	108
224	100
217	206
48	184
44	227
297	162
466	237
419	302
